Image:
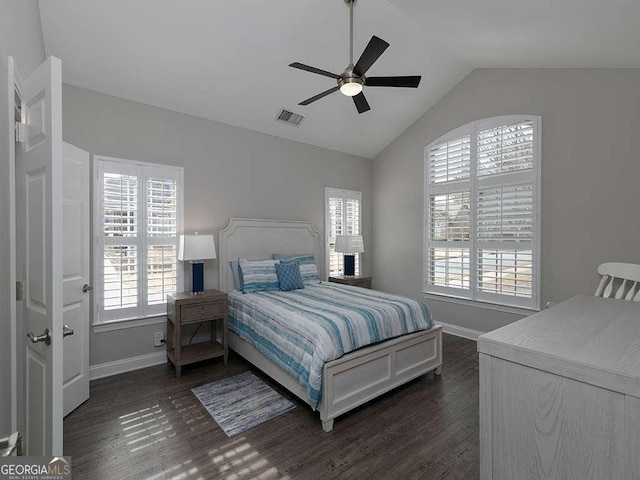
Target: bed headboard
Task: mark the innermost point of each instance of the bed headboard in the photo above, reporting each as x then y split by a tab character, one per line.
260	239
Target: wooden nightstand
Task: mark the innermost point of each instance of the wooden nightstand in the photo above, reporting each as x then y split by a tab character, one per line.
354	281
186	308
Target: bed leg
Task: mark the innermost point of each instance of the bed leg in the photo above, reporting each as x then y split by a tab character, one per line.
438	371
328	425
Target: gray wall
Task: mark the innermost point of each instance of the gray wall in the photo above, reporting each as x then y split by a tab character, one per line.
229	172
21	38
590	179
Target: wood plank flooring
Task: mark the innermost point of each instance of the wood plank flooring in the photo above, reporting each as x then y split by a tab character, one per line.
148	425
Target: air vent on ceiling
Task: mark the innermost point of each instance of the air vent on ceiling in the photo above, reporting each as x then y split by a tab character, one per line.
290	118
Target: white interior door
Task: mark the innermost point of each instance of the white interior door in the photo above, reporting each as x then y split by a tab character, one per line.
75	192
39	244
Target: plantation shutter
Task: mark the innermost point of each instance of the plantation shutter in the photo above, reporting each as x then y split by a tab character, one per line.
505	212
481	235
139	214
162	237
448	166
352	224
336	228
342	217
450	160
120	240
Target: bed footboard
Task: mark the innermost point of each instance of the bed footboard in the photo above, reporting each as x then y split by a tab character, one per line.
359	376
366	374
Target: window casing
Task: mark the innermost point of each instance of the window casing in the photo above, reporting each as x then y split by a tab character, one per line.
138	212
343	216
481	210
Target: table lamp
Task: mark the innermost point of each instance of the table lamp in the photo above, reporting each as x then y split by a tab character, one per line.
195	249
349	245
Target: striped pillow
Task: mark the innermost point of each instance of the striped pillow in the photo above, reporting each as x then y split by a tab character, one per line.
258	275
307	261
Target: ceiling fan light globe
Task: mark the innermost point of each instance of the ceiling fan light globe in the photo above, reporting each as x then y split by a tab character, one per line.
351	89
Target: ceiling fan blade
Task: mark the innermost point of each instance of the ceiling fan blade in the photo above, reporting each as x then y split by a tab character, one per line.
319	96
307	68
408	82
372	52
361	103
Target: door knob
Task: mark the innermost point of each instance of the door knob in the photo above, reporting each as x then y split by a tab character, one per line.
45	337
66	331
86	287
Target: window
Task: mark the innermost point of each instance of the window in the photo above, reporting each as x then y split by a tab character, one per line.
342	217
481	212
138	217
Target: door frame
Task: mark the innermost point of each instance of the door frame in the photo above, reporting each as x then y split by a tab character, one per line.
14	83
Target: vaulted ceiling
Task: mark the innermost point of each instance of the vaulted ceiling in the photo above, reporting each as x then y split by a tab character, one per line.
227	61
533	34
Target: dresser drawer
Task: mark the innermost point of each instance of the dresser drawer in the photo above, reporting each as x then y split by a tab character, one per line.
198	313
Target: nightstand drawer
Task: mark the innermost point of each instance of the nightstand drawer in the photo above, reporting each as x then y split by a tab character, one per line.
198	313
354	281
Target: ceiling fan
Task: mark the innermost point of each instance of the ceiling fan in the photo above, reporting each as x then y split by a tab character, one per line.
353	79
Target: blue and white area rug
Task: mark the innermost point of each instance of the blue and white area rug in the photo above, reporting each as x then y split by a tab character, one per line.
241	402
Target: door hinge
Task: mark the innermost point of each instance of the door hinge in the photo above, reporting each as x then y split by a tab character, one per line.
21	132
19	291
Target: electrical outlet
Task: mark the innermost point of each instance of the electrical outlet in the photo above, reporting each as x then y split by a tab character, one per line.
158	339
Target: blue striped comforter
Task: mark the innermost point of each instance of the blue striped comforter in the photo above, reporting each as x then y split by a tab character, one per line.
301	330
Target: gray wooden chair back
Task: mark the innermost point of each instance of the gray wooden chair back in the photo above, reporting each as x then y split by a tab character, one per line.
619	281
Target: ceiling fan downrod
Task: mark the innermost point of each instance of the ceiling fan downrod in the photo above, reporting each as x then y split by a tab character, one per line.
350	83
350	3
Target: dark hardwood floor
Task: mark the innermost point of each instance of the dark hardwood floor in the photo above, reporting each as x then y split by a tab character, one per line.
148	425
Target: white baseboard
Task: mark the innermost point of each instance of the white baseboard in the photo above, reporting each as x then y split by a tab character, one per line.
126	365
158	358
460	331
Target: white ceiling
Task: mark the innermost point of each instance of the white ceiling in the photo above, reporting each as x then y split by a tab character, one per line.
533	33
227	60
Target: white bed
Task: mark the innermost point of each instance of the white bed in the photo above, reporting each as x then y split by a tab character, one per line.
356	377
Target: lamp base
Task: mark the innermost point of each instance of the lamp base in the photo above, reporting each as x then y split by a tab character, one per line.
197	278
349	265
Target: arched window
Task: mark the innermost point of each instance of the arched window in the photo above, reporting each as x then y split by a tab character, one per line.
482	196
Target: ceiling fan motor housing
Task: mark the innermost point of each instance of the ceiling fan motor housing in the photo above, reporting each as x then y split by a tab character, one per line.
351	78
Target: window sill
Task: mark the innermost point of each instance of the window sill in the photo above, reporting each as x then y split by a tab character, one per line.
480	304
112	325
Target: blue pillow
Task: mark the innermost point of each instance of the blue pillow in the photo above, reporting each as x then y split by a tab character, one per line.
307	261
289	276
237	277
258	275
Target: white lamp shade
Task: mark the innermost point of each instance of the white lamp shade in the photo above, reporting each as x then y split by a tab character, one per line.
196	247
350	244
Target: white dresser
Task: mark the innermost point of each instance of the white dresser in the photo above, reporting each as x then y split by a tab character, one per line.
560	394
